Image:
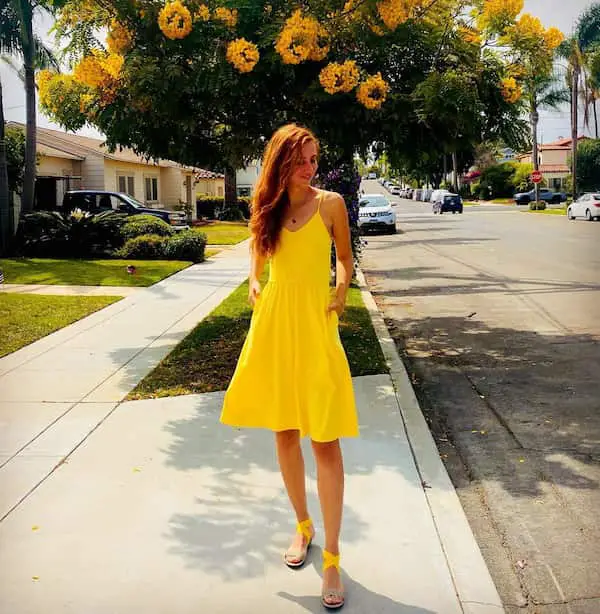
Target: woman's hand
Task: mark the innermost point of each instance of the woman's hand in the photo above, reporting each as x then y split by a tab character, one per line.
254	292
336	305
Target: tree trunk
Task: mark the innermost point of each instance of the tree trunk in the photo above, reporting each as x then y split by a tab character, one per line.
30	109
230	187
595	115
454	172
535	118
574	129
5	225
445	168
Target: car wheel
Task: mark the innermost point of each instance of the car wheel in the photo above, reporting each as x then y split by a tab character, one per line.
588	215
556	200
393	230
460	210
570	214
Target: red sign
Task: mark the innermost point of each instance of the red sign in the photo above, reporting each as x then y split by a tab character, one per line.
536	176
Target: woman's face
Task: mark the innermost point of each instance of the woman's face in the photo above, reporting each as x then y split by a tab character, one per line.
306	166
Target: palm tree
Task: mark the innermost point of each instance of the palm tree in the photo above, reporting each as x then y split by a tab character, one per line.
17	39
542	92
577	50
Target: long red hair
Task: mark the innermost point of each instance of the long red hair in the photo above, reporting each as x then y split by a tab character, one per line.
270	199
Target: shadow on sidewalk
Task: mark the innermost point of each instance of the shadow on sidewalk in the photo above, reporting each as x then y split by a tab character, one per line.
360	598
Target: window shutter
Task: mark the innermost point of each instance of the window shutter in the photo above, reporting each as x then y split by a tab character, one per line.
130	186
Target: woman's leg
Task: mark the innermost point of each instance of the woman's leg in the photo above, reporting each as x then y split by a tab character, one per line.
291	464
330	482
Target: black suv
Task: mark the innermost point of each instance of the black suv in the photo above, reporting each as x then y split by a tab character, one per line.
97	201
448	202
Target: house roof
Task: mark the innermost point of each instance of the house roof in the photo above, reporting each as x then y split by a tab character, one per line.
204	174
559	145
52	152
77	147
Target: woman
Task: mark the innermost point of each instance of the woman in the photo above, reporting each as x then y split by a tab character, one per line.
292	376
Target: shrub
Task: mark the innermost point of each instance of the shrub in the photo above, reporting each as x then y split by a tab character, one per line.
145	224
522	177
186	245
497	181
144	247
209	207
537	206
230	214
76	234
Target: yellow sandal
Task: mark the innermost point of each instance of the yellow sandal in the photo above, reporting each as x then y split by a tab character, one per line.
298	555
332	560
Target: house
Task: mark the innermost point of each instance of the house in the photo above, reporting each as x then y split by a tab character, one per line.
209	183
246	178
70	161
554	161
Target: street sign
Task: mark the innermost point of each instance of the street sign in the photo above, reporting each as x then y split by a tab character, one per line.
536	176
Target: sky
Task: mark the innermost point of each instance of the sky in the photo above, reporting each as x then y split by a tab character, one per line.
562	14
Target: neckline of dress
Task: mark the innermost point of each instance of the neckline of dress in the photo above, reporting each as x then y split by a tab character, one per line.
310	219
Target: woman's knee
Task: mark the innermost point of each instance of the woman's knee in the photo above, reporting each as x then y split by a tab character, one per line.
327	450
288	439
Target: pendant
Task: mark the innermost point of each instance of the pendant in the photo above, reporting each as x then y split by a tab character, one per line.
293	221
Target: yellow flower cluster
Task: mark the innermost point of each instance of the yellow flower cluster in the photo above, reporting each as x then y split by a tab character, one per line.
470	35
339	77
43	79
242	54
497	14
529	26
227	16
60	95
373	91
99	69
554	37
301	39
511	91
119	38
202	13
175	20
393	12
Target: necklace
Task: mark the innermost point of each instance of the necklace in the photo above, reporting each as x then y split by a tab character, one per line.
302	205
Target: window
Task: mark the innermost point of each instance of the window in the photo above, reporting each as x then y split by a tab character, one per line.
151	184
126	184
219	191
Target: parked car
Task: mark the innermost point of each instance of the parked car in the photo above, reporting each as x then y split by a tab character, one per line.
372	175
524	198
395	190
96	201
586	206
448	202
375	213
427	192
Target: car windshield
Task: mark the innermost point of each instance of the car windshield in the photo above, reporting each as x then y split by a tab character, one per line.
373	202
132	201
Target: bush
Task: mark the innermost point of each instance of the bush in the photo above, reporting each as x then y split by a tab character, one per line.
497	181
522	177
77	234
186	245
537	206
145	224
144	247
209	207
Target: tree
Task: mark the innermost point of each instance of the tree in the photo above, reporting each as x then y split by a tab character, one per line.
588	165
580	51
207	86
17	38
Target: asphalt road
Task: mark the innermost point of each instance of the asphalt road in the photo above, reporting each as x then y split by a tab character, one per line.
497	315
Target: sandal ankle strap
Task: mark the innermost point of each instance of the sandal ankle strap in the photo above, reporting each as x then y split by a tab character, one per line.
330	560
304	527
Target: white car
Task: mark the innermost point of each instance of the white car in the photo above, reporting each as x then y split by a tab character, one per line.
587	206
375	213
395	190
372	175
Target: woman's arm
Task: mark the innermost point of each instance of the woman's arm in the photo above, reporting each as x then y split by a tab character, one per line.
257	266
343	249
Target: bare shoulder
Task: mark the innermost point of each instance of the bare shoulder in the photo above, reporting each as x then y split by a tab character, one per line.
332	203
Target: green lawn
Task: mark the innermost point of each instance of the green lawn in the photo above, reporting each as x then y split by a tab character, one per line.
470	203
561	211
87	272
28	317
205	360
224	233
503	201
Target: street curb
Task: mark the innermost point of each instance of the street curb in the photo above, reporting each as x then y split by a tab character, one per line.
472	580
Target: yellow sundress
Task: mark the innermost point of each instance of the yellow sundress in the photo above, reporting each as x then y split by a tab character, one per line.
293	372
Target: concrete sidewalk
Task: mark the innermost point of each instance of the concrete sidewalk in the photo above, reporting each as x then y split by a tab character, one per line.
153	506
55	391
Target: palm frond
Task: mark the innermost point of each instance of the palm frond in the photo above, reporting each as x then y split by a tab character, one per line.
588	27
